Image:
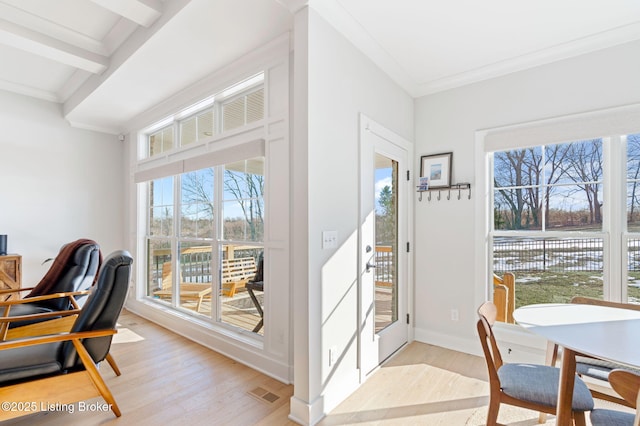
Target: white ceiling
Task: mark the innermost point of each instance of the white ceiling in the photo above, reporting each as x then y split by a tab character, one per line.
106	61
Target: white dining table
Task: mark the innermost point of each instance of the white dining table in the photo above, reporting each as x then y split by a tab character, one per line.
603	332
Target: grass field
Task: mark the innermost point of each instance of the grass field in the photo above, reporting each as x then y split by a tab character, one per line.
560	287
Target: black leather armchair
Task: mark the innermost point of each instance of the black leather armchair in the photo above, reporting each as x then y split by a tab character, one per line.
62	368
75	274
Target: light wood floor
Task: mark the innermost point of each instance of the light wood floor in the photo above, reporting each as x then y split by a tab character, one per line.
169	380
421	385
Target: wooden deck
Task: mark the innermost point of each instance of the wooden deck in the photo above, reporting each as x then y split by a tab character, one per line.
237	310
384	313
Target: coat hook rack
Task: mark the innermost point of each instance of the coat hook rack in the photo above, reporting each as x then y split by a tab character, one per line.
464	186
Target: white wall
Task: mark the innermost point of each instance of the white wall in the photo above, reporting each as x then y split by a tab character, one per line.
341	83
58	183
445	231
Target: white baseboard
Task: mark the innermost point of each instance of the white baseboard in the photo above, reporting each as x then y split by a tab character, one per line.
469	346
306	414
516	344
247	352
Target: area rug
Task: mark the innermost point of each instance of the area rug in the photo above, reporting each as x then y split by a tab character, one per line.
509	416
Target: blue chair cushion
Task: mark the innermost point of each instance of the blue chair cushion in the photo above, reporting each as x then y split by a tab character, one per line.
603	417
598	368
596	371
539	384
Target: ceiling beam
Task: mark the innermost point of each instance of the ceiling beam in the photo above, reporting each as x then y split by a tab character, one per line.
33	42
54	30
142	12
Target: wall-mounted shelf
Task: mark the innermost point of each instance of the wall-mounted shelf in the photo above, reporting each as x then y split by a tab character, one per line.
446	192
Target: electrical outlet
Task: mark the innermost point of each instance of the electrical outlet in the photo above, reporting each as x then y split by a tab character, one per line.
454	315
329	239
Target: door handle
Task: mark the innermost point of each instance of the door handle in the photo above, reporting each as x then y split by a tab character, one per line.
369	266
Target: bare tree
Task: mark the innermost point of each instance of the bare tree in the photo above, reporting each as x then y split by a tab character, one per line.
633	173
583	166
516	175
248	190
555	158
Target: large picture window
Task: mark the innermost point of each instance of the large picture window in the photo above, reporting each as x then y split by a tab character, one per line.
205	222
216	246
551	224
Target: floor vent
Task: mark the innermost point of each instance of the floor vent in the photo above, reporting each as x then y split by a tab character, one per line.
264	395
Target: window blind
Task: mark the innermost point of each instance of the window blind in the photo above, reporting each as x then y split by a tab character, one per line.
614	121
218	157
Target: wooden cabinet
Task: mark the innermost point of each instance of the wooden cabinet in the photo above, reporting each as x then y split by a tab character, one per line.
10	274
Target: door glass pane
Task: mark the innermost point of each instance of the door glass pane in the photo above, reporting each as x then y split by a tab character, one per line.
386	277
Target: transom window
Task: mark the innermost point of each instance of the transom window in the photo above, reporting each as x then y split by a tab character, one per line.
236	106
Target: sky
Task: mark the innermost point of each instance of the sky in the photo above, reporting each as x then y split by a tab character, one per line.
382	179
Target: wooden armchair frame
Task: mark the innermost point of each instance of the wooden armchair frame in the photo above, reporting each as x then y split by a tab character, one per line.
61	389
44	323
63	371
5	308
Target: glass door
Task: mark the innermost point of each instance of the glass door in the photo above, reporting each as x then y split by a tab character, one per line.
384	201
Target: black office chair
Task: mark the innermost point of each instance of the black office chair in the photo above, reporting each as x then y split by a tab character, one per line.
67	362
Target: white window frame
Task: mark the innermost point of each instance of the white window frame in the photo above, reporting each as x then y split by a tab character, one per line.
221	148
609	124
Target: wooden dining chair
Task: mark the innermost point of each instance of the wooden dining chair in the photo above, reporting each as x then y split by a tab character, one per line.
530	386
627	384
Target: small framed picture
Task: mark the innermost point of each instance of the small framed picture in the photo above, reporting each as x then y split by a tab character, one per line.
437	168
424	184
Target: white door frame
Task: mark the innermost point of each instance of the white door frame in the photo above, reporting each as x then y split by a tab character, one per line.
368	342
